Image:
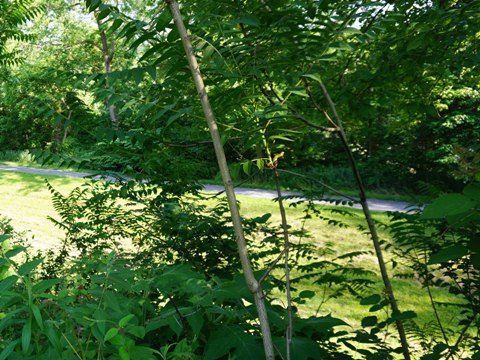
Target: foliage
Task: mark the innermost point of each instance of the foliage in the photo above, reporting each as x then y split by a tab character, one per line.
109	305
14	14
400	131
157	228
404	76
441	246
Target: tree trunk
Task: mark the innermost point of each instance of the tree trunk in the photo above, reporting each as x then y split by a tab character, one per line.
250	279
108	53
371	223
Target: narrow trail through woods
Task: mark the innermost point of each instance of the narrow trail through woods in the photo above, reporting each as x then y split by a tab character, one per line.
374	204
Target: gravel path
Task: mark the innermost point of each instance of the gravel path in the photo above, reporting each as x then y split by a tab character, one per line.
374	204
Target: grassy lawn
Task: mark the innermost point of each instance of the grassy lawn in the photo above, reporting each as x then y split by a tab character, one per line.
27	202
409	292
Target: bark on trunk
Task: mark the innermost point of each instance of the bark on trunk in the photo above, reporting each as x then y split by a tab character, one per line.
108	53
250	279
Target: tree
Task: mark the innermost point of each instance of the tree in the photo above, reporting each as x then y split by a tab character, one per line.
296	84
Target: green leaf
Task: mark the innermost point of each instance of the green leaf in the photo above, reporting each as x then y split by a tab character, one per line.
26	335
143	352
227	338
351	30
29	266
302	348
137	74
53	336
207	52
248	20
104	13
124	353
14	252
92	4
173	35
162	21
369	321
37	315
7	282
116	24
125	320
178	114
437	352
299	92
371	300
8	350
152	71
280	137
260	164
112	299
448	205
146	36
196	322
449	253
114	99
235	289
473	192
315	77
379	306
322	324
135	330
101	317
415	42
110	334
246	166
307	294
406	315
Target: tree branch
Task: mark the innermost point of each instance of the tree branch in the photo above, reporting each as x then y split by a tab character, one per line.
289	332
370	221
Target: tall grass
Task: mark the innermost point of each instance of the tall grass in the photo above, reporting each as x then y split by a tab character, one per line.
20	157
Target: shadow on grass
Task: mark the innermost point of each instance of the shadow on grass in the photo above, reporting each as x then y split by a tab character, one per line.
25	183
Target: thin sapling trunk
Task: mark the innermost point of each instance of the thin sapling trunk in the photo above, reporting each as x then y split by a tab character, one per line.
283	214
371	223
252	283
108	53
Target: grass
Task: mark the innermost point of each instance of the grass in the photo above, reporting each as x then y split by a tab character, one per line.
409	292
27	202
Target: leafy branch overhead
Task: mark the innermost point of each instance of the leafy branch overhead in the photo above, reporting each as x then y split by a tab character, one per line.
14	16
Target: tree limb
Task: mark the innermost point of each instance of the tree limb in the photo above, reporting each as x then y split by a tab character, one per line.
370	222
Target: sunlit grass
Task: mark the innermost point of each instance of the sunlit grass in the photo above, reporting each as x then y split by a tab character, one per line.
409	292
27	202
